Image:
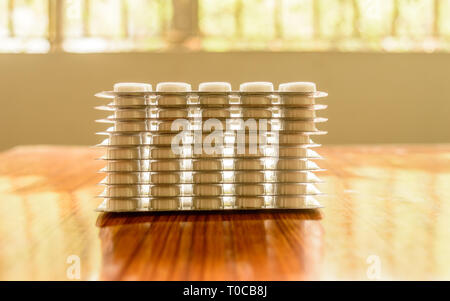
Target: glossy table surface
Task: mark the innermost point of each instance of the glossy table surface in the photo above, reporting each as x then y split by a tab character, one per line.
386	216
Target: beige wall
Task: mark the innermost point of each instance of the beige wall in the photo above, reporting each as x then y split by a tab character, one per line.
374	98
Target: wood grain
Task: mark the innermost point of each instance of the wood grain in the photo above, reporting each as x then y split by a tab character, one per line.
386	216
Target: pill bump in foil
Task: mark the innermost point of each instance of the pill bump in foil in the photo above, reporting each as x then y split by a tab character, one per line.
126	114
174	164
307	126
225	180
173	87
299	87
215	99
293	100
256	164
256	87
215	87
130	187
131	88
123	153
207	164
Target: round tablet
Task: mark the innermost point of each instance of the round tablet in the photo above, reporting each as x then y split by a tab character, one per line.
214	87
207	203
297	87
132	87
249	202
173	87
256	87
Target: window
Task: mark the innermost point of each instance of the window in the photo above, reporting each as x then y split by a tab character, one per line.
223	25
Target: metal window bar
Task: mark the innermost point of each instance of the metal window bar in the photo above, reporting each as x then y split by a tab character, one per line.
436	18
394	17
86	18
184	23
163	20
278	17
55	25
125	16
356	19
11	30
238	8
338	32
316	19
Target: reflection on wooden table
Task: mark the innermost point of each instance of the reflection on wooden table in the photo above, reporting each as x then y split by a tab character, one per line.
386	216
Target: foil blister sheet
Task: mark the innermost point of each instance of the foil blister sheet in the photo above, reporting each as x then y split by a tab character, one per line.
144	175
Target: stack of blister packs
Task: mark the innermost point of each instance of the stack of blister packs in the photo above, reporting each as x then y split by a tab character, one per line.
211	149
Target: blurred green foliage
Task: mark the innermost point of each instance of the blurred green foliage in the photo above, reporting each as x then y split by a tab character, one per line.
225	25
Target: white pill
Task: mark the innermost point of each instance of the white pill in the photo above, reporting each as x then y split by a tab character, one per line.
123	153
214	87
165	166
208	177
132	87
130	126
122	178
298	113
293	139
123	191
207	203
208	165
301	87
297	87
256	87
165	191
165	204
173	87
169	178
126	166
253	189
124	140
300	126
250	177
208	190
249	202
130	114
249	164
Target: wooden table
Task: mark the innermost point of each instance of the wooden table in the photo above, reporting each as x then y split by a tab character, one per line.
386	216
